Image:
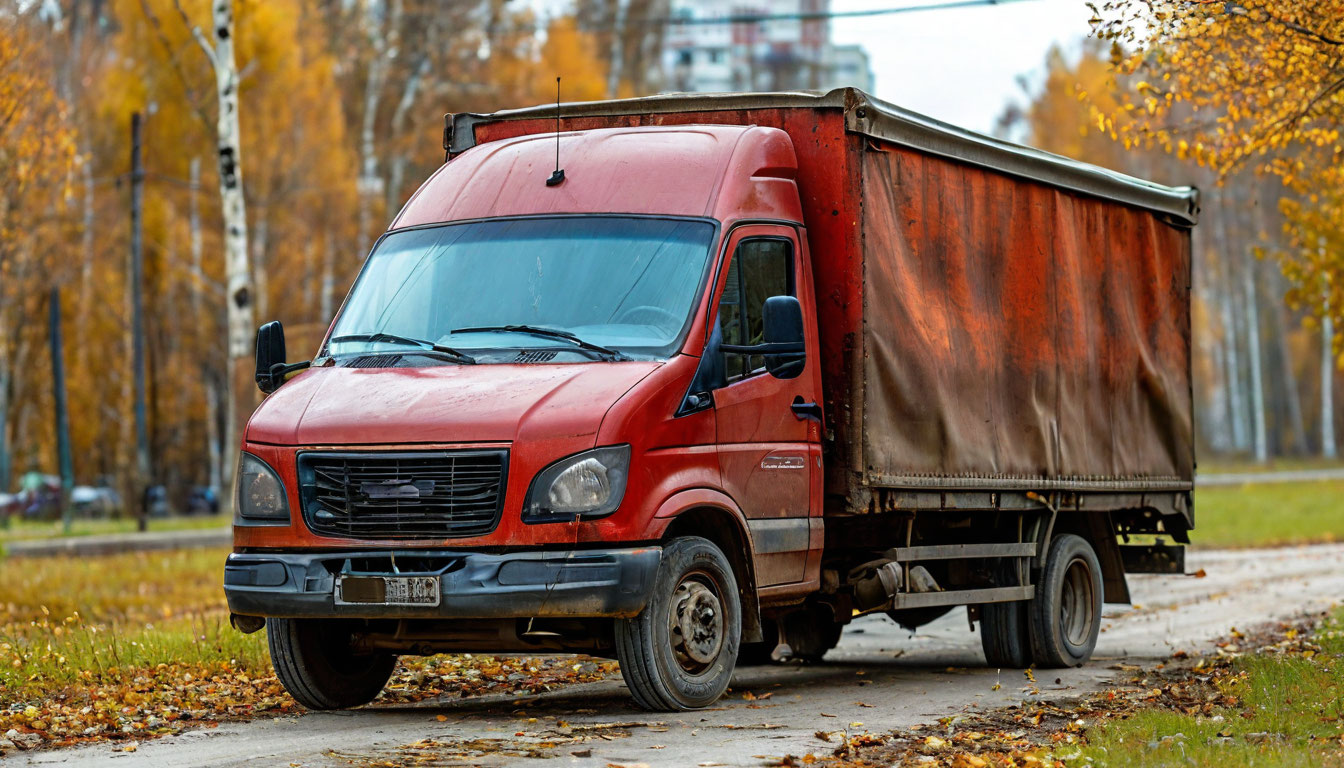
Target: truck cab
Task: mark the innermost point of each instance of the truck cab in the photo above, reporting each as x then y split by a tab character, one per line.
537	394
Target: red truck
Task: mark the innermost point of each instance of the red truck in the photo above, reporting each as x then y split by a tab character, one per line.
694	380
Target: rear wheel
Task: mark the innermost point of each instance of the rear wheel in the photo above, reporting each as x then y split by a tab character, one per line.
317	664
1004	635
1005	628
1066	613
679	652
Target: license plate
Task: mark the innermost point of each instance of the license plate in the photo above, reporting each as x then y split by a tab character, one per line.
387	590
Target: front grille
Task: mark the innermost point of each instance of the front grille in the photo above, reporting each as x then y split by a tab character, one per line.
421	495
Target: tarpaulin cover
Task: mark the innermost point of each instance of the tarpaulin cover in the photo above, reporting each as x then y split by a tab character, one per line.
1017	335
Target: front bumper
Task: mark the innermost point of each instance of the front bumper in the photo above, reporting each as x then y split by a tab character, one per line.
474	585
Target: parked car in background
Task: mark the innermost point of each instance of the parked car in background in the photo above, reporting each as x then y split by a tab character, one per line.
202	500
95	501
156	501
9	507
40	496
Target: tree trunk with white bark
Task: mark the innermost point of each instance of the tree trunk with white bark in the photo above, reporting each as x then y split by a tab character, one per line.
1259	439
239	298
1328	449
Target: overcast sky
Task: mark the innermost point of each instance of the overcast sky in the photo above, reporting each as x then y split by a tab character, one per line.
960	65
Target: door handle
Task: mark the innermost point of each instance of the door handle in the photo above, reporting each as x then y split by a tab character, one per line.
804	411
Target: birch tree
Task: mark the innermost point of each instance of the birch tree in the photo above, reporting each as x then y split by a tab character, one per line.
382	24
1328	449
239	321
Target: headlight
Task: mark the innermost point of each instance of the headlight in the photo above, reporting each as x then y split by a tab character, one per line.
260	494
585	485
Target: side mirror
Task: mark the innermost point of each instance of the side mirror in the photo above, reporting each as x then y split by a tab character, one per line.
270	353
783	333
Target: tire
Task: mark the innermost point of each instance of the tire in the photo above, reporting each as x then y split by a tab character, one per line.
1004	635
1005	628
313	659
694	590
1066	613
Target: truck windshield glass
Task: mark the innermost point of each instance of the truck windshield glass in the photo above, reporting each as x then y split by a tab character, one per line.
626	284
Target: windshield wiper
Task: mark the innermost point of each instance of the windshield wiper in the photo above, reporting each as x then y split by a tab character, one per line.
550	333
392	338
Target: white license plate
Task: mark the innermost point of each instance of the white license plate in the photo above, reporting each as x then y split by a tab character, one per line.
387	590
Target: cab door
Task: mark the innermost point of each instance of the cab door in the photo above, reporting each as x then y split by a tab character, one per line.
768	431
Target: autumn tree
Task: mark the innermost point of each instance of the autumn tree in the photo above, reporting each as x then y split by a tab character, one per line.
1244	83
37	156
72	73
1252	85
628	36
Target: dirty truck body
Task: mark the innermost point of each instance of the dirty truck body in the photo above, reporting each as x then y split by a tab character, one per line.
840	359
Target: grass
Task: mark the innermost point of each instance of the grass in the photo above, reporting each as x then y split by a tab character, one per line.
1234	465
132	646
1270	514
1284	709
21	530
70	621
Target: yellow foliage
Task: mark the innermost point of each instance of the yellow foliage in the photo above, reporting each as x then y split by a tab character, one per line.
1254	84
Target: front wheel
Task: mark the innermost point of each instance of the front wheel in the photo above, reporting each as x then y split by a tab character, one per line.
1066	612
679	652
316	663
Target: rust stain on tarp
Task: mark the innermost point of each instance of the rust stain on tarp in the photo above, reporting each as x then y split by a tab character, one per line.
1014	331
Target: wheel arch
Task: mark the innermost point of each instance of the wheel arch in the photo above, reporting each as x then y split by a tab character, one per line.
1096	529
712	515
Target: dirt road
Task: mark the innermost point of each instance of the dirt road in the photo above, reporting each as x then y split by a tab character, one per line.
879	678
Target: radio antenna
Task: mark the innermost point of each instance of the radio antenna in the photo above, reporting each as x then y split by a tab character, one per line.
559	174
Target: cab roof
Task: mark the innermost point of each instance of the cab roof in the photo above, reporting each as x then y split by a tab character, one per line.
725	172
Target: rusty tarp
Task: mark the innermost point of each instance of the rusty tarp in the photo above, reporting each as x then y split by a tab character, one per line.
1018	335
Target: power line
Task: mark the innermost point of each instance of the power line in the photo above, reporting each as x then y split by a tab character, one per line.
760	18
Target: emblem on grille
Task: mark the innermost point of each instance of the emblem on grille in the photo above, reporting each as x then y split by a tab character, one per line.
396	489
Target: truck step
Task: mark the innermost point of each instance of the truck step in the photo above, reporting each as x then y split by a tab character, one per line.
961	597
961	551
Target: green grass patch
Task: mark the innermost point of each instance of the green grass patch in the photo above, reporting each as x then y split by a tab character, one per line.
1283	709
132	588
1270	514
1235	465
89	620
133	646
28	530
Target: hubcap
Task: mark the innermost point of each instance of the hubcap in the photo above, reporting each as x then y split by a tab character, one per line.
695	623
1077	603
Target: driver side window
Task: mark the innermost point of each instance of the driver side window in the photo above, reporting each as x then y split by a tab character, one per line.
760	268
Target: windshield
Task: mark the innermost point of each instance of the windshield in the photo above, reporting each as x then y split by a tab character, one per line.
621	283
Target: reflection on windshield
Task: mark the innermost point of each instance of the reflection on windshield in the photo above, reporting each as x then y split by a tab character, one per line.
623	283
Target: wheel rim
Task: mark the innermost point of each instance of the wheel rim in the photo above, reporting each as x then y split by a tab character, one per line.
1077	603
695	623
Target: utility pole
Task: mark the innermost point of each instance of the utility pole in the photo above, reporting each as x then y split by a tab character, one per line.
62	409
1328	449
142	469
